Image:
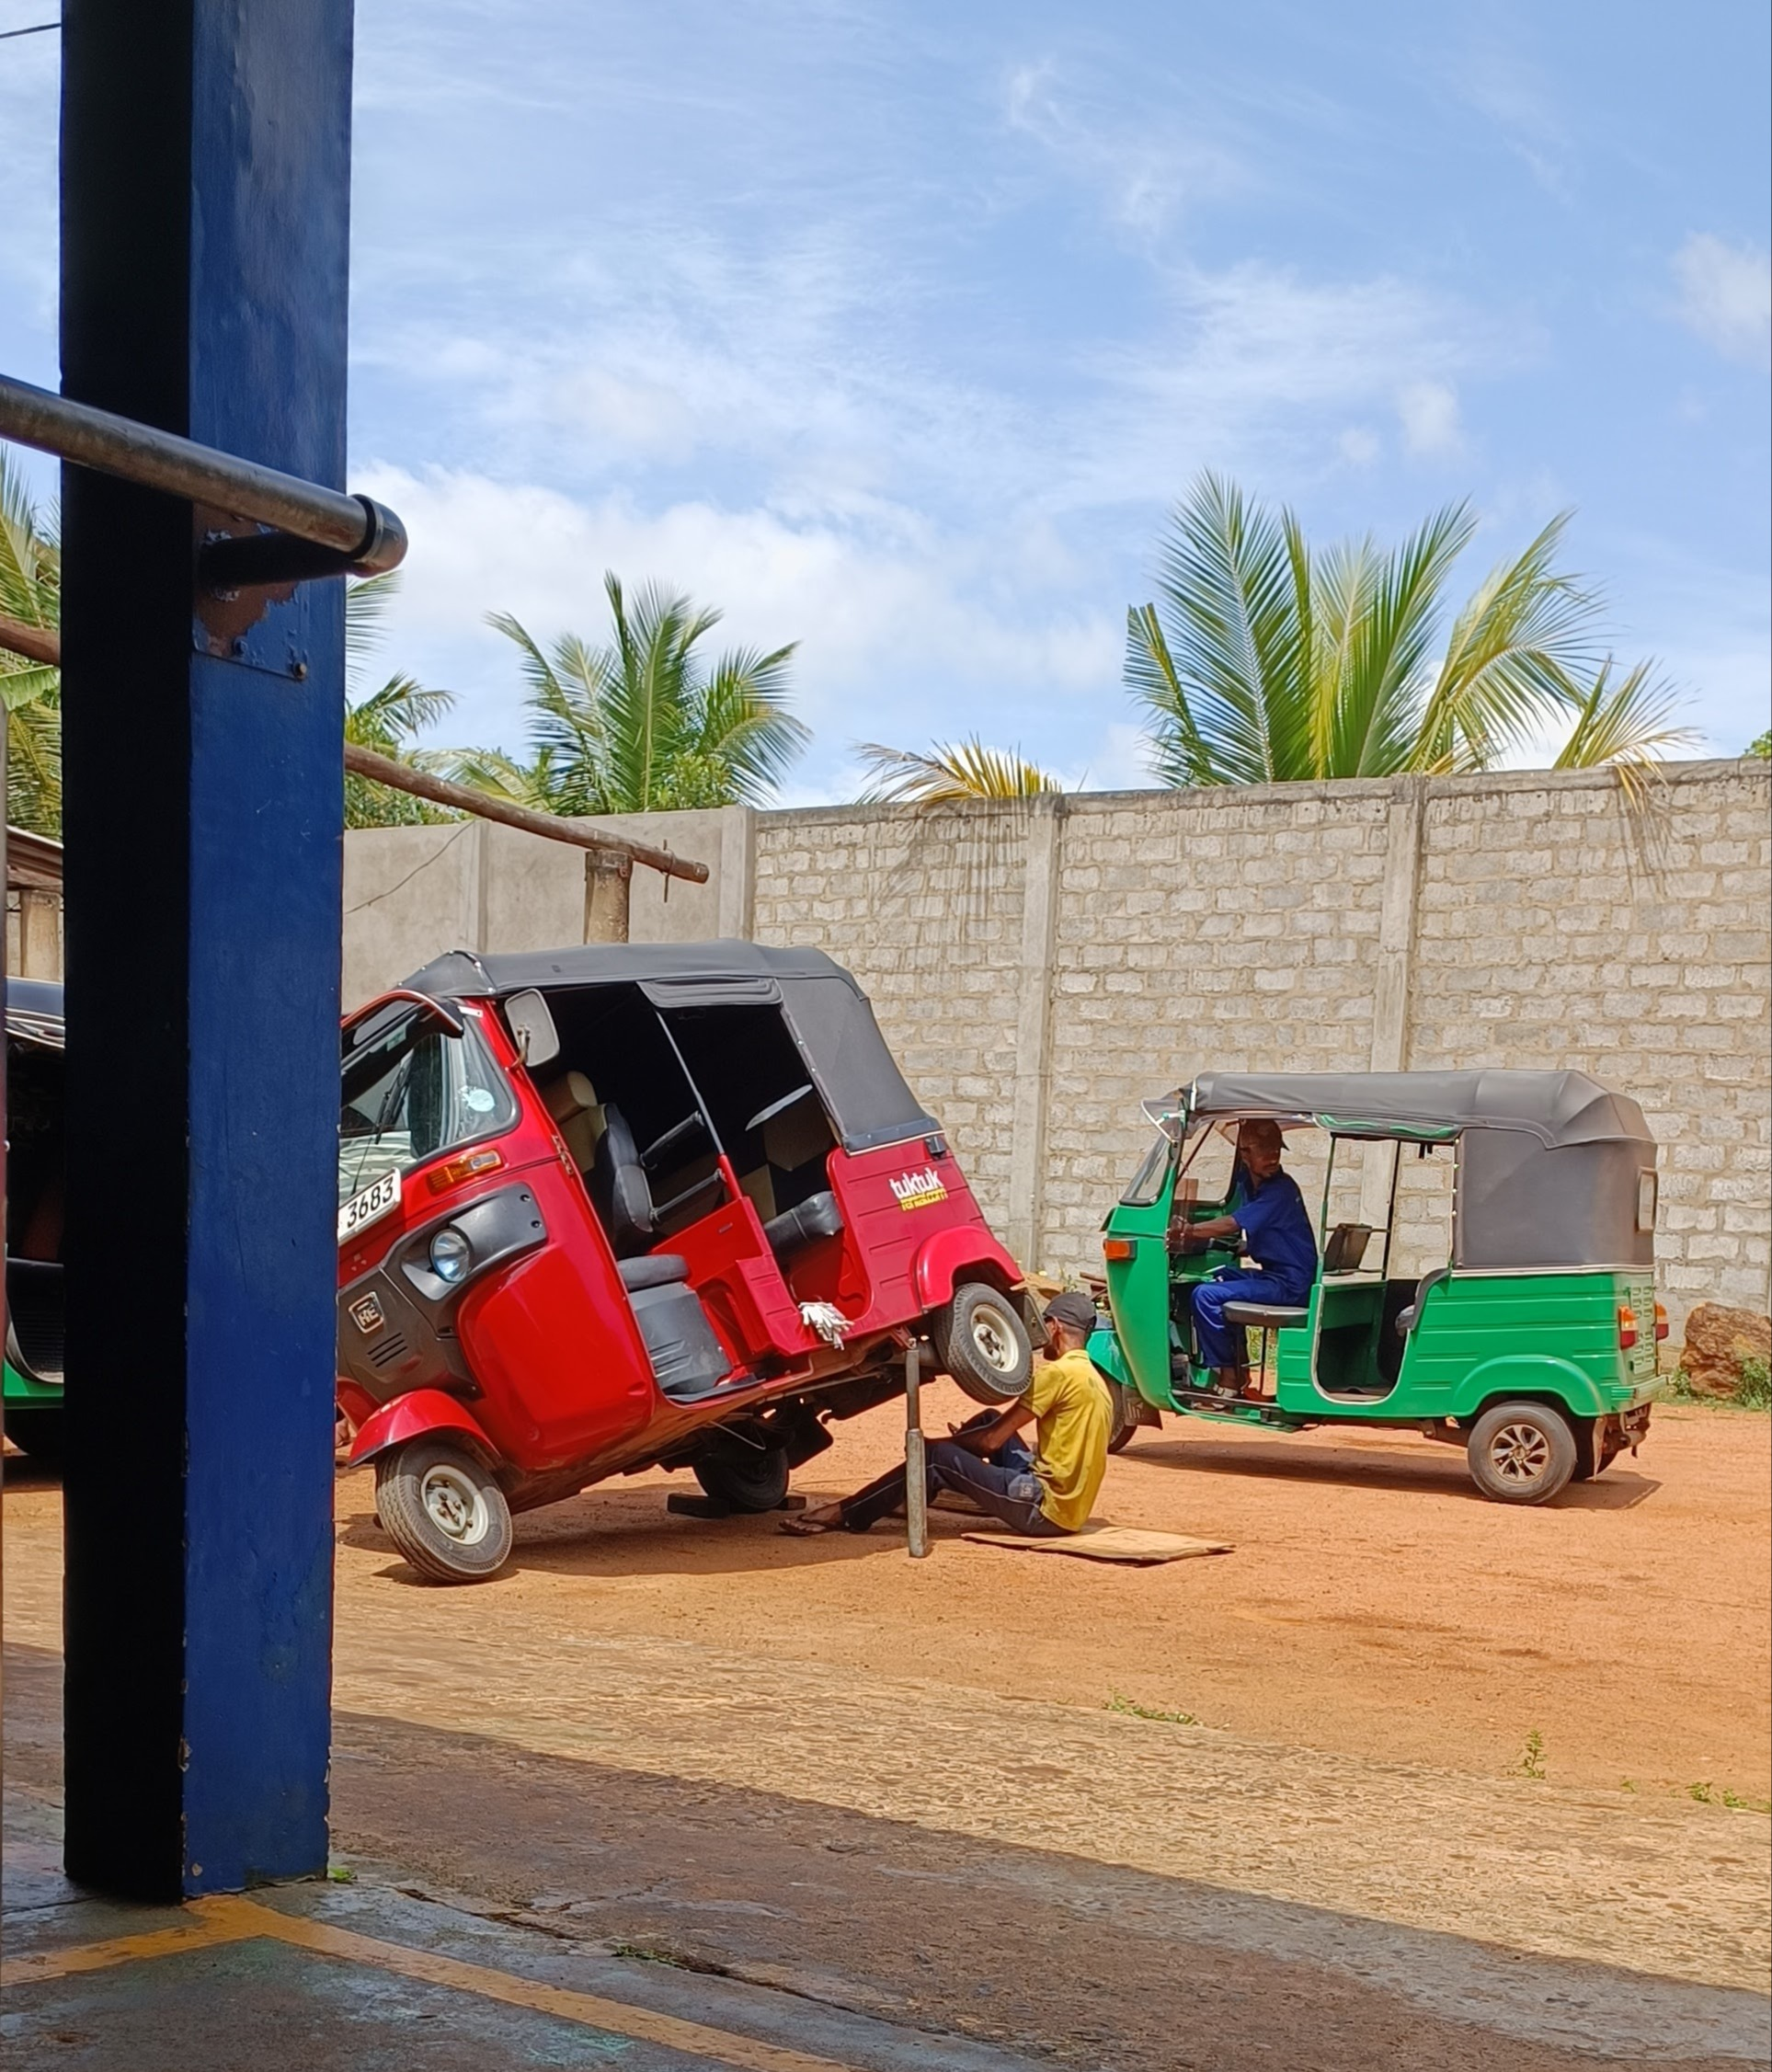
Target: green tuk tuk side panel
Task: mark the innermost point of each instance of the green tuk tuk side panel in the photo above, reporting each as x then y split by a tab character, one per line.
25	1387
1481	1336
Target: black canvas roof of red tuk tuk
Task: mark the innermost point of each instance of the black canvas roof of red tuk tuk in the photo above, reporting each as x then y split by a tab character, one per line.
827	1012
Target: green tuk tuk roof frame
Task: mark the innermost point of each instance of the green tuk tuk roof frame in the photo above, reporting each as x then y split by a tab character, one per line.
1555	1171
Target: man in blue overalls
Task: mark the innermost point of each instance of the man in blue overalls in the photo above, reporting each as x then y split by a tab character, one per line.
1268	1212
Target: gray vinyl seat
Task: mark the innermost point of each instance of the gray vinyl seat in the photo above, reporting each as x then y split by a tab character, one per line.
1265	1316
1408	1319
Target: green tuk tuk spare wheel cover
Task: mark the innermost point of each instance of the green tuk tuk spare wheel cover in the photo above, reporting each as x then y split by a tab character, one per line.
1550	1164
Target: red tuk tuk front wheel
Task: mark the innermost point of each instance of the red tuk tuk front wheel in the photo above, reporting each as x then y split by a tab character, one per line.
443	1511
982	1344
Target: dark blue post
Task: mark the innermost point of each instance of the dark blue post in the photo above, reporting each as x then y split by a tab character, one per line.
205	180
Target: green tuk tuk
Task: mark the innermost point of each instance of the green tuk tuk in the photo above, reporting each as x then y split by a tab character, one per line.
1530	1342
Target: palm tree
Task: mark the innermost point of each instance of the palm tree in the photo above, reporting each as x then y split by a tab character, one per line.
1624	726
30	591
641	725
388	719
948	771
1263	660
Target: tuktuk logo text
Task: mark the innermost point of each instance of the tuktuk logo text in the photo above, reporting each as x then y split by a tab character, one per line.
920	1190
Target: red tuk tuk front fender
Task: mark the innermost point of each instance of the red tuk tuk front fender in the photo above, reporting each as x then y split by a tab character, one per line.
411	1417
964	1252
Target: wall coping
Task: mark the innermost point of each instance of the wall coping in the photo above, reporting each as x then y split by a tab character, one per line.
1332	791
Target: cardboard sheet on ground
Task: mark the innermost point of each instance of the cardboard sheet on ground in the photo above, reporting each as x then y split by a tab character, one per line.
1106	1542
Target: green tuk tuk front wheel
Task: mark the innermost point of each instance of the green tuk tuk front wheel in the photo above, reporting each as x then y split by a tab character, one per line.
1521	1452
1124	1428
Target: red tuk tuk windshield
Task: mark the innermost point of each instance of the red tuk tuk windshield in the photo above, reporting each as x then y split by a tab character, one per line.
411	1090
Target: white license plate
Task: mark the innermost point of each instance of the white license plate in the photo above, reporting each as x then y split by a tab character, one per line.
368	1205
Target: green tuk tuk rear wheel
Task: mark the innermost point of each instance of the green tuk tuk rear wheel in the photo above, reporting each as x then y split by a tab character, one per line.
1521	1452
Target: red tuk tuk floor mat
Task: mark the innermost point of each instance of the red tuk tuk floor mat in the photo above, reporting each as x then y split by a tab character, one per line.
1106	1542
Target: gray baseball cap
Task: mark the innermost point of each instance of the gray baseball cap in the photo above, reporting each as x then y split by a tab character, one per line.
1074	1307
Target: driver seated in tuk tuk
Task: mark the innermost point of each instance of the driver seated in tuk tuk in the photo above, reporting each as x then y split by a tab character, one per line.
1272	1219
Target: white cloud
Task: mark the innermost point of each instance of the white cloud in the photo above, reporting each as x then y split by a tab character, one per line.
1358	446
1726	296
898	640
1147	166
1429	415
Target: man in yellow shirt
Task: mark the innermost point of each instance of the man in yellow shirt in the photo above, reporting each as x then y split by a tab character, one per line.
1049	1491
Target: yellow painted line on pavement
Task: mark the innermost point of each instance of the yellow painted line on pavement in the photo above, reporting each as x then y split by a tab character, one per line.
202	1932
745	2053
210	1923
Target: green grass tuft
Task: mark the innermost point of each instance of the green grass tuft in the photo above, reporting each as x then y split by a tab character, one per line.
1119	1703
1532	1756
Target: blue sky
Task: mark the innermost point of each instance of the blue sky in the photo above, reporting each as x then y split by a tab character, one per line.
896	328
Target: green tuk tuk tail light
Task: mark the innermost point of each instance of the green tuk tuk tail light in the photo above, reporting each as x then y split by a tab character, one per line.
1661	1320
1626	1326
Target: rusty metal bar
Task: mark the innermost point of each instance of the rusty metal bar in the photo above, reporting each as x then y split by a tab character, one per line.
43	643
37	643
383	770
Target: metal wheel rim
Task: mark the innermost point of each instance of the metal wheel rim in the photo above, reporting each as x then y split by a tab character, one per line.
455	1505
993	1341
1519	1453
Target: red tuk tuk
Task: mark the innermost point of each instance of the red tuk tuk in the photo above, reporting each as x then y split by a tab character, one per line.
608	1208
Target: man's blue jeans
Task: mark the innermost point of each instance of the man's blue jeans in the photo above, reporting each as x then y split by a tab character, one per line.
1003	1489
1219	1343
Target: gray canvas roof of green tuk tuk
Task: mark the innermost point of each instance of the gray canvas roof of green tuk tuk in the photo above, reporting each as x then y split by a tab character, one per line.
1559	1107
1551	1164
828	1014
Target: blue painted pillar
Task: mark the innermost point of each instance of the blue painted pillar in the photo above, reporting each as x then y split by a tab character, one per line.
205	179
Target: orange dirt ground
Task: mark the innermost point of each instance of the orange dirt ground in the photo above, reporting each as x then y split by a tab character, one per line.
1375	1605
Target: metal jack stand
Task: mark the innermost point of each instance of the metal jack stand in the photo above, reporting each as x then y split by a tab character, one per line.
915	1472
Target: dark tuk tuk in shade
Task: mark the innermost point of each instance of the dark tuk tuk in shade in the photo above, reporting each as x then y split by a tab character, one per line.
1532	1345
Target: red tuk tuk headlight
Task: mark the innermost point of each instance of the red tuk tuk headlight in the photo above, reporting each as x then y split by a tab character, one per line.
451	1254
1661	1320
1626	1326
1119	1249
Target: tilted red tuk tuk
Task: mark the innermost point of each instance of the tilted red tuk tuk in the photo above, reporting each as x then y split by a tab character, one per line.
605	1208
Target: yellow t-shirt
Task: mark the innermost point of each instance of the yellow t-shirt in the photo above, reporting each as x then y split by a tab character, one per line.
1071	1402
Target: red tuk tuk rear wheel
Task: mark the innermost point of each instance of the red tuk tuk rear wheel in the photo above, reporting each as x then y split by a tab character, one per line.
741	1476
443	1511
1521	1452
982	1344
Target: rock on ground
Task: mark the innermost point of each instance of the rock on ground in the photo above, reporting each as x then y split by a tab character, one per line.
1718	1339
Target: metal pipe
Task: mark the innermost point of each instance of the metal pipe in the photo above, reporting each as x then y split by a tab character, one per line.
368	534
916	1464
37	643
383	770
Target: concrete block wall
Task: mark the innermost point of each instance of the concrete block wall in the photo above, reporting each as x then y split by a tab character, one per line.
926	909
1042	967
